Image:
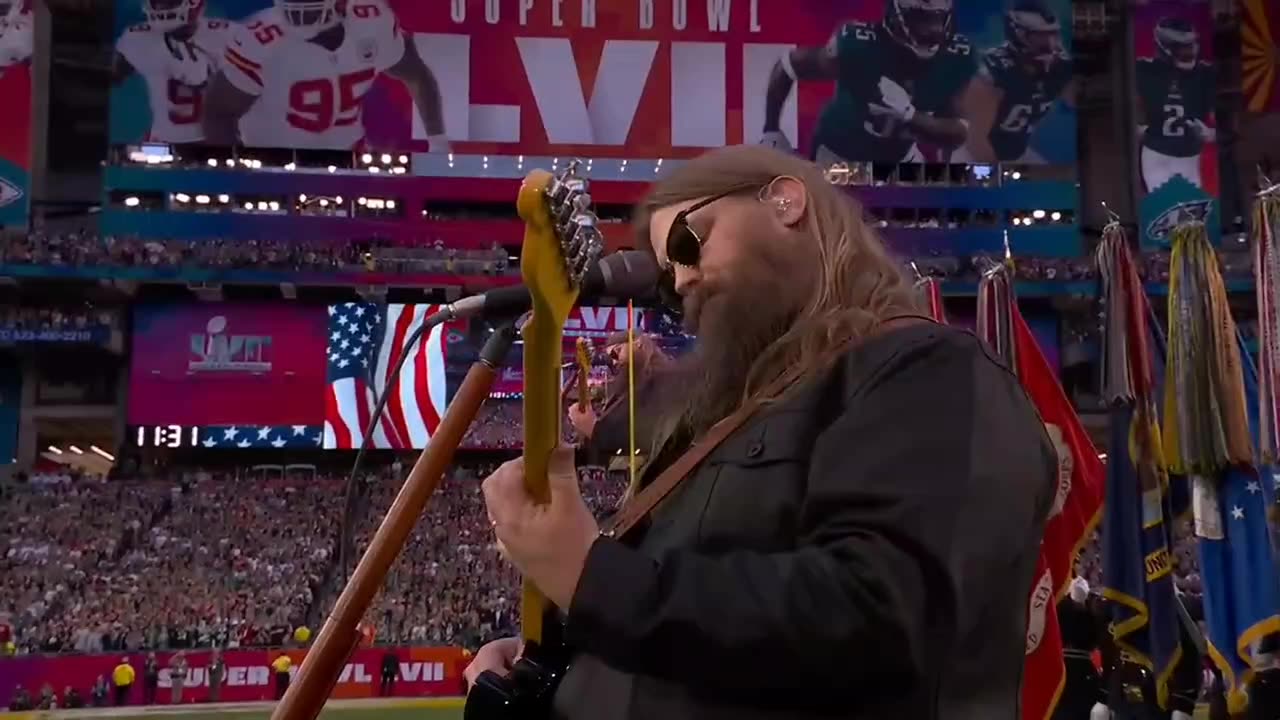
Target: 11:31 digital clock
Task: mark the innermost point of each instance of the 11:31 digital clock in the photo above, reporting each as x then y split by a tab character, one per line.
167	436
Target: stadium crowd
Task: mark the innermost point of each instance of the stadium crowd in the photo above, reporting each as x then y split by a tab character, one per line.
47	318
360	254
192	560
386	255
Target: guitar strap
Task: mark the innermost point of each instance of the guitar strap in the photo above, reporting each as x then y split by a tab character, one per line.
647	499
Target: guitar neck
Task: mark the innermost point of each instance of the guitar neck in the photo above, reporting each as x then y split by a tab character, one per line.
542	353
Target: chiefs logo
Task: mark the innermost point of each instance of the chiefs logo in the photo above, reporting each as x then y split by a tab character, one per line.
1038	610
1066	468
1180	214
9	193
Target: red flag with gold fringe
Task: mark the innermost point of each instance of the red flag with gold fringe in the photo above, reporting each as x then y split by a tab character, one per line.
1077	504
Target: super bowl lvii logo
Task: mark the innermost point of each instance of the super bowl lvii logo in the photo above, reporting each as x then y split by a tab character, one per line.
217	350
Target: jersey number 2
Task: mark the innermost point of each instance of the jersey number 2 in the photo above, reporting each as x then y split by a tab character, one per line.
323	103
1173	125
185	103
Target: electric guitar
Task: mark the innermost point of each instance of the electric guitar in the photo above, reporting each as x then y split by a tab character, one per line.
561	240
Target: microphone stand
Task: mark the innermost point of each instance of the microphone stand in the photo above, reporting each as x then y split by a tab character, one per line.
339	636
444	315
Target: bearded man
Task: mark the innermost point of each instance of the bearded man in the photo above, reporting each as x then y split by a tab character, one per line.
861	547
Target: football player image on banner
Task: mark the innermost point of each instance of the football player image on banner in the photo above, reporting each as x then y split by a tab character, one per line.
627	79
17	36
283	74
925	80
174	50
1174	112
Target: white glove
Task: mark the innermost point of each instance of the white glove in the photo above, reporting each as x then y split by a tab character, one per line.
1179	715
15	44
438	143
187	63
777	140
1100	712
896	99
1206	133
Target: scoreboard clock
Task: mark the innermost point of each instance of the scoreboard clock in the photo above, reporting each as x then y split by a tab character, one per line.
167	436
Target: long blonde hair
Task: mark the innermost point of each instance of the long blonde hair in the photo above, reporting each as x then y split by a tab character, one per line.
859	284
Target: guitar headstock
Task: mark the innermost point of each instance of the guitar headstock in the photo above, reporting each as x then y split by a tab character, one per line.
562	236
584	373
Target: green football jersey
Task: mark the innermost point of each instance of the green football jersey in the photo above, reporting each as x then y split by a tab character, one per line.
1027	96
865	53
1171	98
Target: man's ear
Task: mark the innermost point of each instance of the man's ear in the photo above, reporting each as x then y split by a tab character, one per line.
787	198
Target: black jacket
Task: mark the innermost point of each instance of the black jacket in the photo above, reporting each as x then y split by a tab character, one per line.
862	550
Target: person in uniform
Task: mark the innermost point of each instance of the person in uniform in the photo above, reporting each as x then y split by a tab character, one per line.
1175	105
899	83
1018	84
1079	640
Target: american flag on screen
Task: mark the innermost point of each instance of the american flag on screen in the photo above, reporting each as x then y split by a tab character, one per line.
365	341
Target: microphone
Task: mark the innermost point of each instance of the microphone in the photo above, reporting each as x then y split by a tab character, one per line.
628	274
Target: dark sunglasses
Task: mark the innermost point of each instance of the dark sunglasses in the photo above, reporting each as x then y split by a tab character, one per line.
684	245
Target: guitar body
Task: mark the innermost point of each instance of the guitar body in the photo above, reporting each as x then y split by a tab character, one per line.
561	241
528	691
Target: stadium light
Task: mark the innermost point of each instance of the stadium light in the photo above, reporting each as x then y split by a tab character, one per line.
75	449
231	162
103	453
202	199
274	206
324	202
333	168
375	169
302	198
290	166
224	198
248	206
338	199
182	197
1056	216
131	201
1016	175
404	159
1038	214
362	201
366	158
213	162
262	205
391	204
386	158
54	450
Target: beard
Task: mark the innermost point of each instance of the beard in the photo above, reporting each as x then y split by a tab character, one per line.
734	324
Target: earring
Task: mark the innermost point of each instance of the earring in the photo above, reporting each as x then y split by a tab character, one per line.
784	205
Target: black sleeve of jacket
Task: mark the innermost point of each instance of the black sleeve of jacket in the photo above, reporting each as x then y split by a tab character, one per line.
611	432
902	527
